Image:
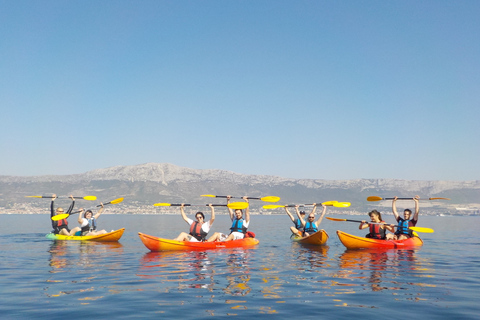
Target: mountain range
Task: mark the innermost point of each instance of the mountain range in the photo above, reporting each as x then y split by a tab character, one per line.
145	184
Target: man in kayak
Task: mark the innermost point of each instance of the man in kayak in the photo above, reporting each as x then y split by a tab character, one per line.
61	226
310	226
403	231
88	223
239	224
198	229
378	227
298	228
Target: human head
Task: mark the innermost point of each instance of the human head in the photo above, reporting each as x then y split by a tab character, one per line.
407	213
375	213
238	213
59	211
88	212
199	214
302	213
311	217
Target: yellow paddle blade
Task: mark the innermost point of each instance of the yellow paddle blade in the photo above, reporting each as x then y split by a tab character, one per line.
335	219
330	203
208	195
90	198
116	201
342	204
162	204
272	206
60	216
438	198
420	229
374	198
270	199
238	205
33	196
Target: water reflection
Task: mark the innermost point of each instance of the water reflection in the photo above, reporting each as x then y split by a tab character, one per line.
238	272
379	269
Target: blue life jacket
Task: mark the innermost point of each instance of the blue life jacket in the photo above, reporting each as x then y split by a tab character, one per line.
298	224
402	227
238	226
310	227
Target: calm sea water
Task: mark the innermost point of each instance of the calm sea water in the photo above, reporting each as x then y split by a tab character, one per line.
41	278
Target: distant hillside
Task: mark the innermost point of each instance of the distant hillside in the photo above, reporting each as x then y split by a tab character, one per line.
153	182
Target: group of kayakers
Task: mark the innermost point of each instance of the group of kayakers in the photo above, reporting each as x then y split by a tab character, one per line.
377	227
304	225
86	219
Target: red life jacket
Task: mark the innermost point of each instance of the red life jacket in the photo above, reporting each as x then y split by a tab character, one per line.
197	232
376	232
62	222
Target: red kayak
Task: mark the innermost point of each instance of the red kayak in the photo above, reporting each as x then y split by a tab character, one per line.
161	244
354	242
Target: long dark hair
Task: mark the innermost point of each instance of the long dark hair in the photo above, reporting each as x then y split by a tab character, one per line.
377	213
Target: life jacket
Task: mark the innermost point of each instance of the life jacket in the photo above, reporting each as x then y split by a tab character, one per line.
298	224
238	226
376	231
310	227
62	222
402	227
197	232
92	225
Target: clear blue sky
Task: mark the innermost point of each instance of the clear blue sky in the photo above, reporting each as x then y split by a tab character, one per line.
298	89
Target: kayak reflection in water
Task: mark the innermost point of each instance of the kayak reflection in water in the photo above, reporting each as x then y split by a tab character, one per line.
198	229
378	227
239	224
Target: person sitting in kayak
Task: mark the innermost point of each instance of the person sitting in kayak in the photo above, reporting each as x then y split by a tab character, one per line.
298	226
198	229
61	226
378	227
88	223
403	231
310	226
239	225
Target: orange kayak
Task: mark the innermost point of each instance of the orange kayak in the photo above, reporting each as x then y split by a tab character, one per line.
161	244
106	237
354	242
318	238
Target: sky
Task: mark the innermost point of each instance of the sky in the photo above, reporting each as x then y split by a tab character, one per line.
297	89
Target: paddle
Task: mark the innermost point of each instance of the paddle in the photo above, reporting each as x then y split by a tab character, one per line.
375	198
418	229
66	215
233	205
327	203
90	198
266	199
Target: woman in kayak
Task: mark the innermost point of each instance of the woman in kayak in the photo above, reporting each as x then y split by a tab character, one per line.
88	223
403	231
310	226
198	229
378	227
239	225
61	226
298	228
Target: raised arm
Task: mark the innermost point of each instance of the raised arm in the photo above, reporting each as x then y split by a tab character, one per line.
182	210
289	214
213	213
394	207
80	216
322	215
247	210
417	208
102	209
72	205
230	211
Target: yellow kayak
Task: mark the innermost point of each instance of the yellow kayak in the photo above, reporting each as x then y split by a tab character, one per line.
106	237
318	238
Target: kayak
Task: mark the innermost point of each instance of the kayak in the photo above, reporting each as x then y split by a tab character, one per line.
161	244
354	242
318	238
106	237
